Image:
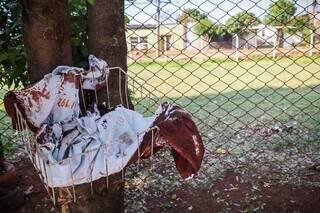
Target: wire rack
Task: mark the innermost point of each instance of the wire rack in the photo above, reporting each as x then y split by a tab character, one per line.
44	168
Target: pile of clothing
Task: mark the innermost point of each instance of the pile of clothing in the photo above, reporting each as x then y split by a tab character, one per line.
75	148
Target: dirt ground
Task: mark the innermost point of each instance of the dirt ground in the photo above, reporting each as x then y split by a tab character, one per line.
231	195
228	194
37	198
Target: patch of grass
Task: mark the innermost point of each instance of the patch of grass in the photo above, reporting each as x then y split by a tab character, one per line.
220	117
7	134
224	95
166	206
190	78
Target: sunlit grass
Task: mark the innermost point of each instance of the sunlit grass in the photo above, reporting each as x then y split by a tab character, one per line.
178	78
225	96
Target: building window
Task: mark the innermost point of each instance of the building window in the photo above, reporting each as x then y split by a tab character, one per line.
134	42
143	43
139	43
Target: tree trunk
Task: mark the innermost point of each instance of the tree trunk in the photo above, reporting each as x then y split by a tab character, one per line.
246	39
185	35
46	36
106	32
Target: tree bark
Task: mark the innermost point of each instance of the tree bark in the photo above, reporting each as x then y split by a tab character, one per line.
185	36
46	36
106	33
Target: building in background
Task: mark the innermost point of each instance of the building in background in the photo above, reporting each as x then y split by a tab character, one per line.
144	38
264	36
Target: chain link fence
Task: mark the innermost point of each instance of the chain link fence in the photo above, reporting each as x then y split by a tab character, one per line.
249	73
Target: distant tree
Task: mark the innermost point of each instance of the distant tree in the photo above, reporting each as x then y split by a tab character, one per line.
280	13
242	21
302	25
206	28
189	15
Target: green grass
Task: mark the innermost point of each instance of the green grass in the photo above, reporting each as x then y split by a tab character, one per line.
225	97
178	78
6	132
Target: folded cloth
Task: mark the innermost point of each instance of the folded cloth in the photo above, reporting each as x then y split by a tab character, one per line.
176	130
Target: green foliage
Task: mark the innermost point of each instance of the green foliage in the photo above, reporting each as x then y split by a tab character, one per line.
301	25
126	20
191	15
79	35
166	206
241	21
13	70
206	28
280	13
12	53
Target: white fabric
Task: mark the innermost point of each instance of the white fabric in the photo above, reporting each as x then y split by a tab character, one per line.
46	102
73	149
98	147
55	99
99	72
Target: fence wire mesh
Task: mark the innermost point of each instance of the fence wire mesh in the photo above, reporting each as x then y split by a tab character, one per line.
249	73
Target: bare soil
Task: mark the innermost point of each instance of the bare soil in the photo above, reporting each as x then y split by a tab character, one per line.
228	194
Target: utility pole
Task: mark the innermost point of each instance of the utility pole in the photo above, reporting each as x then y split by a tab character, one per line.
158	27
157	3
314	22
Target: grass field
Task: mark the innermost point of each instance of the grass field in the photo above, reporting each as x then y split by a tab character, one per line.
179	78
225	97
